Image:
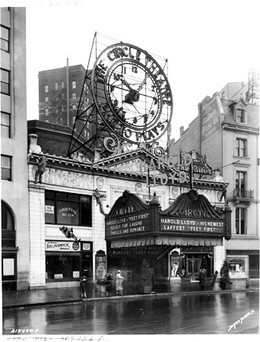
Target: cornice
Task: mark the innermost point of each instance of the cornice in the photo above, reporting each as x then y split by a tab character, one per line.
240	128
100	169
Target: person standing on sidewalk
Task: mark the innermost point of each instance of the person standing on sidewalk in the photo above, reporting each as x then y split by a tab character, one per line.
109	284
119	283
83	286
202	276
214	279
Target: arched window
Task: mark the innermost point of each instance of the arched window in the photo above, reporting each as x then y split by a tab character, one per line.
8	228
7	217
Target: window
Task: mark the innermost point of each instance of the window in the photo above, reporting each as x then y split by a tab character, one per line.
46	111
68	209
5	81
62	85
7	217
241	147
6	167
241	220
238	266
5	38
8	230
73	96
74	107
46	99
5	125
241	116
46	89
240	183
74	84
62	266
56	86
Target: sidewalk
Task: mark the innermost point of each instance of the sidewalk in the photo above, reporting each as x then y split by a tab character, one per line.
12	299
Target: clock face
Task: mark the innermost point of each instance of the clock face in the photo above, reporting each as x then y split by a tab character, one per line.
132	93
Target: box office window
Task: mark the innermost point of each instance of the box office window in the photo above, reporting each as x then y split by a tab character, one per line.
68	209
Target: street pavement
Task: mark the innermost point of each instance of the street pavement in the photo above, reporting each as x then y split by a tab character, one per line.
196	313
12	299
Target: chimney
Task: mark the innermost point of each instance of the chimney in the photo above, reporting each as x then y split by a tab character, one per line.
181	130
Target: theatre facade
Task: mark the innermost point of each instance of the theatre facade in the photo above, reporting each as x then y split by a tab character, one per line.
123	209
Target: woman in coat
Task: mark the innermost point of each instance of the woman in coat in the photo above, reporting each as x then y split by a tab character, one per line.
119	283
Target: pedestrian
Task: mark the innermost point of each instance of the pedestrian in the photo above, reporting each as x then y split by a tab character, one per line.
214	279
109	284
119	283
202	276
83	286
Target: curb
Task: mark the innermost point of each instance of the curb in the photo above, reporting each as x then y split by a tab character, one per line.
126	297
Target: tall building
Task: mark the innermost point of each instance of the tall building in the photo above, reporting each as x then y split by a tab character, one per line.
226	130
59	94
14	169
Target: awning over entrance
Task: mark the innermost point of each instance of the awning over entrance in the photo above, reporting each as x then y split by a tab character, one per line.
165	240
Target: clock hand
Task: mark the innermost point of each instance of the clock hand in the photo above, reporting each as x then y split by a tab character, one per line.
141	85
127	84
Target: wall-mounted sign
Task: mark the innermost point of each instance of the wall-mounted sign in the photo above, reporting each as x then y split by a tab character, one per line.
210	118
131	224
193	225
86	246
61	246
199	164
49	209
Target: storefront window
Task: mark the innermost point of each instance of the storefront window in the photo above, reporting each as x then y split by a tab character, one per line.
62	266
238	266
67	213
68	209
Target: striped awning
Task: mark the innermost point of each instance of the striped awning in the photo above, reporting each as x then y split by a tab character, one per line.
164	240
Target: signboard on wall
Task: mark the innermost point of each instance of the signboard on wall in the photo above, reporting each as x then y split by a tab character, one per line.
129	224
193	225
210	118
61	246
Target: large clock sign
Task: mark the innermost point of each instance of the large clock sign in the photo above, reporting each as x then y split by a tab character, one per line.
132	93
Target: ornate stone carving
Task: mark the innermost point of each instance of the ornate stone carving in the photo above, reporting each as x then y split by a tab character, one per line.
68	178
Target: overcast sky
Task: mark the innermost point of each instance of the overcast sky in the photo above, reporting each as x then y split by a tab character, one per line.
207	43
